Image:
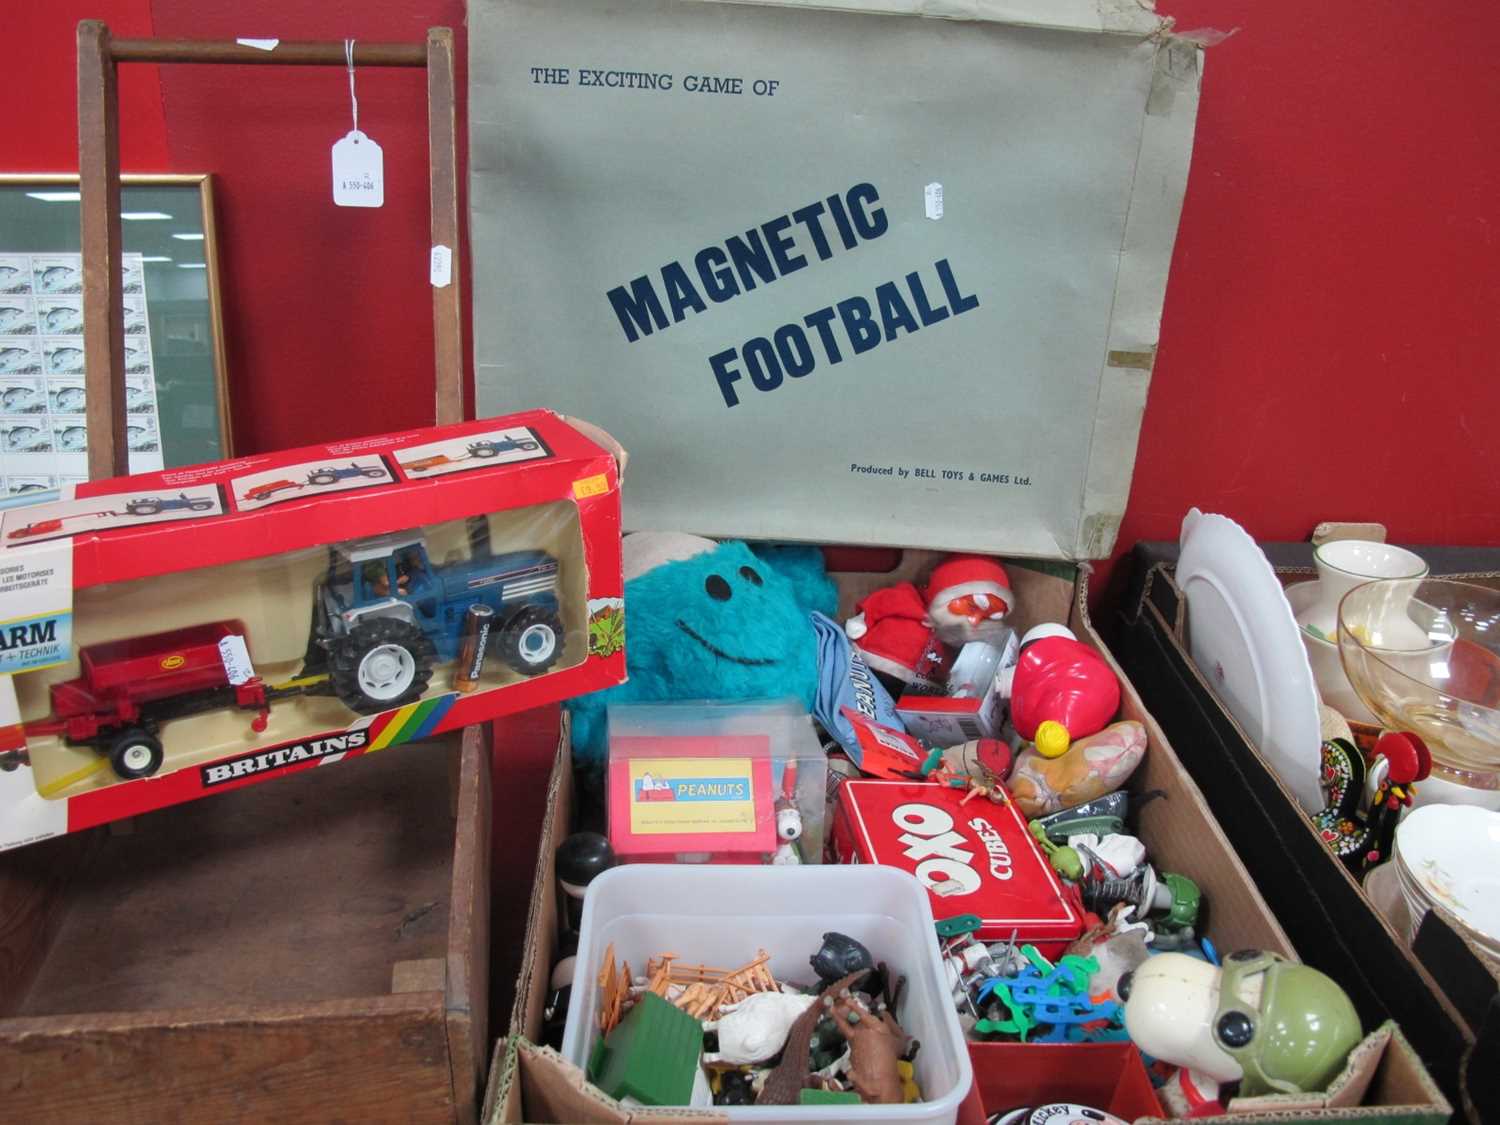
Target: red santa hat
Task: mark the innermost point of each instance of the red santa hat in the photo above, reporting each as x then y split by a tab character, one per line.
959	575
892	632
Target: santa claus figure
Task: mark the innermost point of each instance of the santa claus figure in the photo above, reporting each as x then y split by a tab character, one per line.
968	598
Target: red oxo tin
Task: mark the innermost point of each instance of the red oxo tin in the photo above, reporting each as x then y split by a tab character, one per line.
976	858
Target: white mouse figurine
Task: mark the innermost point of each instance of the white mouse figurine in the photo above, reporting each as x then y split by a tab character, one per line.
757	1027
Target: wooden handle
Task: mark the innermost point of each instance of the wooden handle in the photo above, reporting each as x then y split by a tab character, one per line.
284	53
99	190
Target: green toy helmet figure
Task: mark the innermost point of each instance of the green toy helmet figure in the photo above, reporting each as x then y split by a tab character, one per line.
1273	1025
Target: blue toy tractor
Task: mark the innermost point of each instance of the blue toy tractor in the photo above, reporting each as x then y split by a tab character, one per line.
385	616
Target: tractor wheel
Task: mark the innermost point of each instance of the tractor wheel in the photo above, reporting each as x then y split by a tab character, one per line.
372	472
147	508
382	663
321	478
531	641
135	753
200	505
482	451
529	446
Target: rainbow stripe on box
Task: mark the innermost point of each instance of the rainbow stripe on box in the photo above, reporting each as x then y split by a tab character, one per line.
409	723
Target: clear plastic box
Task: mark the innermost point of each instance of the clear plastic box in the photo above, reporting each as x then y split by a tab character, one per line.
725	915
710	782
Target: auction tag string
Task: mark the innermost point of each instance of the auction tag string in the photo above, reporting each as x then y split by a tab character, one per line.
358	162
349	62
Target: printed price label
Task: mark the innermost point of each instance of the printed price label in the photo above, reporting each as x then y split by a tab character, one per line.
441	270
358	171
932	198
235	657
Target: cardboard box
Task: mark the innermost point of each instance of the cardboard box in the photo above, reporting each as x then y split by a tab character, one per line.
197	635
1443	995
288	953
534	1084
813	262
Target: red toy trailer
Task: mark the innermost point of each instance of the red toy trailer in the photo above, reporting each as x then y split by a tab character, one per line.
129	687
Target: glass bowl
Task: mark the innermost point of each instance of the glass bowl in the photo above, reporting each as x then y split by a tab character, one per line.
1424	656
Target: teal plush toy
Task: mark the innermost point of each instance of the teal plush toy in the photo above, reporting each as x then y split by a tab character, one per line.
706	620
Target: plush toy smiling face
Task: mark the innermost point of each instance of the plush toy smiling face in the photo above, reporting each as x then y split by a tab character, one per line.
722	624
738	629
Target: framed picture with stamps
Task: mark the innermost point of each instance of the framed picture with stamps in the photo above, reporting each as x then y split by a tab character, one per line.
176	379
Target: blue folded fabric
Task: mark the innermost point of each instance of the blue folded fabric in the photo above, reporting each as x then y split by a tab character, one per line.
845	681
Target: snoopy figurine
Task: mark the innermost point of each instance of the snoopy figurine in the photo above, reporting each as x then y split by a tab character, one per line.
788	820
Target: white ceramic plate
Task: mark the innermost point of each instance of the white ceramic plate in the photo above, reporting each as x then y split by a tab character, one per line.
1453	853
1246	643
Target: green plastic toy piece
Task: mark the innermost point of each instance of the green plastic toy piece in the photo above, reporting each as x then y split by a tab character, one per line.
958	924
1186	898
828	1097
1019	1024
1065	860
1096	825
652	1056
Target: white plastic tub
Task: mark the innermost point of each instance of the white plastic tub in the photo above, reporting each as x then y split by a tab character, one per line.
721	915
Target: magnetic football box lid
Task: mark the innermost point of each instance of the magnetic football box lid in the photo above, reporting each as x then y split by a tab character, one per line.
975	858
813	262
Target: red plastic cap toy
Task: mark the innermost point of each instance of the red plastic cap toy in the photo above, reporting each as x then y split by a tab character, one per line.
1062	690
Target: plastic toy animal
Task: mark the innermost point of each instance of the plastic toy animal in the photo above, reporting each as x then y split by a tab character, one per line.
840	954
756	1028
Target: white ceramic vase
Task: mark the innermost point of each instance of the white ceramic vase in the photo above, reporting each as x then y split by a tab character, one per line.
1345	564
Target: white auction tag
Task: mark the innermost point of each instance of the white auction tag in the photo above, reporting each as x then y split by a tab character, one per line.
932	198
358	171
441	271
235	656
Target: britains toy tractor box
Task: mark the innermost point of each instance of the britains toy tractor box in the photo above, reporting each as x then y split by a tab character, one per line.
190	631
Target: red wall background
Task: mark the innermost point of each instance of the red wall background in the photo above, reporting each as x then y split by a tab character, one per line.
1326	345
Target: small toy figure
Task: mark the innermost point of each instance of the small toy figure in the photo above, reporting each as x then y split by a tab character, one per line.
580	859
840	955
755	1028
968	598
1060	689
788	819
1273	1025
876	1043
